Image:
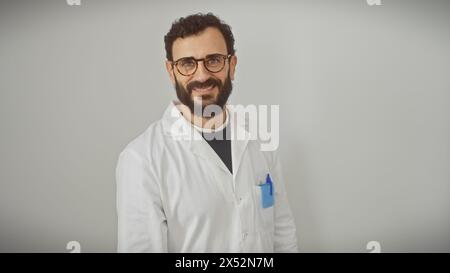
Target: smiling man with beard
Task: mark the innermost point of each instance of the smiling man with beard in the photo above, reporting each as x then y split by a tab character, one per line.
188	184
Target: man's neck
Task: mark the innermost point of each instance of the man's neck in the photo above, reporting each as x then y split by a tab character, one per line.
210	123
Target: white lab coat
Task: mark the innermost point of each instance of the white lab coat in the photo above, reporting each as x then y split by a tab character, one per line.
174	193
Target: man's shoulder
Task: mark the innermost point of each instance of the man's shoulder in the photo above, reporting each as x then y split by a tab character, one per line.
146	141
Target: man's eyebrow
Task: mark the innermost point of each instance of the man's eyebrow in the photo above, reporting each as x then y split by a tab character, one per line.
212	54
189	57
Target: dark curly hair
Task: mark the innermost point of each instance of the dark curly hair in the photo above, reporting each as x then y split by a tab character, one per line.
194	24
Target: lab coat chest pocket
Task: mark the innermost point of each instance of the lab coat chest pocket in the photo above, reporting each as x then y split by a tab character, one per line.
264	208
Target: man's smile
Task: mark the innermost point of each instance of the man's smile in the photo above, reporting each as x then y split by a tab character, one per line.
203	90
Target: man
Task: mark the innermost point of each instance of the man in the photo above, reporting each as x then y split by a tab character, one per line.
186	185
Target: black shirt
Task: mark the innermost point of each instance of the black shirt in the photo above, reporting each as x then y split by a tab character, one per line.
220	141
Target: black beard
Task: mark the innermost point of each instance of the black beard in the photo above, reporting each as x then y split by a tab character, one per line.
185	94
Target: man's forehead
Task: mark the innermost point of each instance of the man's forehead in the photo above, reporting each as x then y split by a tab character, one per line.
209	41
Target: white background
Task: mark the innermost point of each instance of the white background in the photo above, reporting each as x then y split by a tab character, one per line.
364	95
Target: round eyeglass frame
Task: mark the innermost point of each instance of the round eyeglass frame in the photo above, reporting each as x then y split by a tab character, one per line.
174	64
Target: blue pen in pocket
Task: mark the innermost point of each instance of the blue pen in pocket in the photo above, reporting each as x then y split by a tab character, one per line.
267	193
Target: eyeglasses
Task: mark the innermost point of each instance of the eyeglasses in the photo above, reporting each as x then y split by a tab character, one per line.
214	63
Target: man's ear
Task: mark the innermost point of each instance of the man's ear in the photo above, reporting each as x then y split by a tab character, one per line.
233	63
169	69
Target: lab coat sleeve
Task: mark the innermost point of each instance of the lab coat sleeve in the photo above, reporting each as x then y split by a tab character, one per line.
142	226
285	238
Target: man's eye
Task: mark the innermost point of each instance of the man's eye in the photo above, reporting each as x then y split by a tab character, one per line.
213	61
187	63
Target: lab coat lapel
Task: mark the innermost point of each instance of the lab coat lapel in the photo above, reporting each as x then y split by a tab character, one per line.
239	140
179	128
199	146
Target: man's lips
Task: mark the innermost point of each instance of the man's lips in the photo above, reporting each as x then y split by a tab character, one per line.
203	90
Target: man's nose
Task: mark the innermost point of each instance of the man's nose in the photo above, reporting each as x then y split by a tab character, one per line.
201	74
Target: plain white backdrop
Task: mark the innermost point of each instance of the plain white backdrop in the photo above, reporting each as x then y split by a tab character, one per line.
364	95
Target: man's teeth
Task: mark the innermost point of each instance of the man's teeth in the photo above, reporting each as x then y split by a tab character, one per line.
203	89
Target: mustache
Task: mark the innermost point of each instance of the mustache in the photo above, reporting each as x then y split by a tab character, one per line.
209	82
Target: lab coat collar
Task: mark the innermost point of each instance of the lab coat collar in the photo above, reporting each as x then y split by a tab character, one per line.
177	127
